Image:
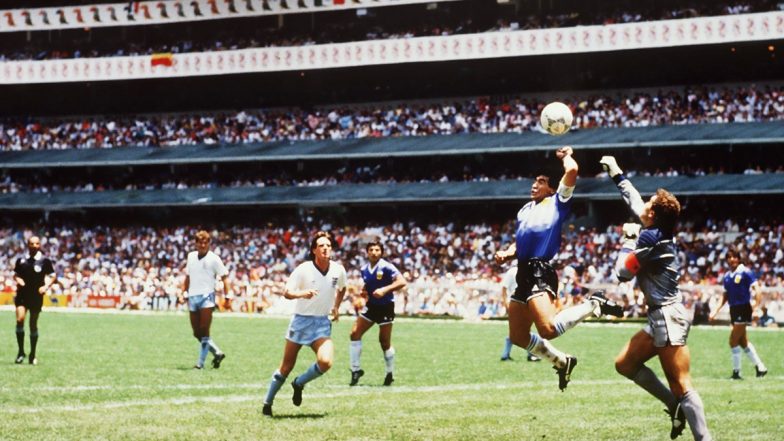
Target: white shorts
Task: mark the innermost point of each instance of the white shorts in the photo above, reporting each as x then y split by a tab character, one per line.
668	325
198	302
306	329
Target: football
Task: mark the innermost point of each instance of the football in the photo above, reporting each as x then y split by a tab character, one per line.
556	118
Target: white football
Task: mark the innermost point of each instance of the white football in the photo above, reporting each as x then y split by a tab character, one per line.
556	118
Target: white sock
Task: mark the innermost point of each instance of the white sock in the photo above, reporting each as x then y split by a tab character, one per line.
355	350
735	358
751	352
544	349
389	359
570	317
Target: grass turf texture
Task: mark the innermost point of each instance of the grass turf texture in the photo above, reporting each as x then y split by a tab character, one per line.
125	376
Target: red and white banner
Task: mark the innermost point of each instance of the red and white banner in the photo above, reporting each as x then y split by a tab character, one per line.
666	33
156	12
105	302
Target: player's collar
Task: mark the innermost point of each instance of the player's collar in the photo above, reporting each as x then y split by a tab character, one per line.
323	273
372	269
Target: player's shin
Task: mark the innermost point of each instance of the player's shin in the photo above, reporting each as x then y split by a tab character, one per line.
544	349
20	335
647	379
389	359
275	384
311	374
33	343
751	352
570	317
695	414
205	349
355	352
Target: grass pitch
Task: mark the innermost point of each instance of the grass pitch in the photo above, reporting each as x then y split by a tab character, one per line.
129	377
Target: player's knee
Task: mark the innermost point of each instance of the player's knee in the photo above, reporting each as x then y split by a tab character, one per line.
547	332
624	368
324	365
355	336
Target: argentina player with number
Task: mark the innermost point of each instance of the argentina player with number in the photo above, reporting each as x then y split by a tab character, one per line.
739	284
650	256
318	286
537	240
381	279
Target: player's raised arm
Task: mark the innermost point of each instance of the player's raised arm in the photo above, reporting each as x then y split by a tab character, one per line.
565	154
630	194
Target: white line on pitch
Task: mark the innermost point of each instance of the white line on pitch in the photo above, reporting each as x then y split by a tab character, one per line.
339	391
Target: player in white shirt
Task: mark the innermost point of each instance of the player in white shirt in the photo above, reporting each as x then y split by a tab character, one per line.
318	285
202	269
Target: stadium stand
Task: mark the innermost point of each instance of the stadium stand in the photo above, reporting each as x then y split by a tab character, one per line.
402	21
367	151
483	115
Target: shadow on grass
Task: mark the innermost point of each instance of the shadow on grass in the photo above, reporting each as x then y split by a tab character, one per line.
297	416
187	368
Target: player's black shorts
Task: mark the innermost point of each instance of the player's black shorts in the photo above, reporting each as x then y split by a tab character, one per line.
381	314
740	314
535	277
32	302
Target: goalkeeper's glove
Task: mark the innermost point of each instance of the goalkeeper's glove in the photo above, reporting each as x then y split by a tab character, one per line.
631	232
610	166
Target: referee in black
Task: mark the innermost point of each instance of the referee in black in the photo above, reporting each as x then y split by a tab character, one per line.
34	275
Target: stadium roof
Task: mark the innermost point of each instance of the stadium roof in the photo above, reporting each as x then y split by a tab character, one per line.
587	189
701	135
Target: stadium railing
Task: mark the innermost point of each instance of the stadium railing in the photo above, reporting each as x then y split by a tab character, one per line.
370	194
698	135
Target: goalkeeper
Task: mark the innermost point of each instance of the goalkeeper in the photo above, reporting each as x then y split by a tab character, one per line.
648	252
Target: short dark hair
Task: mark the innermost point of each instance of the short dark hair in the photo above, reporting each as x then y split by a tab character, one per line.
732	252
374	243
314	242
666	209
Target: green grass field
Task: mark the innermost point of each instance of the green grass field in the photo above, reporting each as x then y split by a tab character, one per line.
125	376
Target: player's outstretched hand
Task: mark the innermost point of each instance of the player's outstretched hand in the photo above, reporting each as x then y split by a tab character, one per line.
610	166
564	152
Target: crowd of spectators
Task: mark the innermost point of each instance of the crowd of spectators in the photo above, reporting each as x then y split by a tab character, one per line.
375	174
692	105
450	267
352	28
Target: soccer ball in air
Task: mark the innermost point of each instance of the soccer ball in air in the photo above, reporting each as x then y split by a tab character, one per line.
556	118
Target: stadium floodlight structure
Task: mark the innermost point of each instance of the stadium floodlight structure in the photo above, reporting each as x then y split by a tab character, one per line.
161	12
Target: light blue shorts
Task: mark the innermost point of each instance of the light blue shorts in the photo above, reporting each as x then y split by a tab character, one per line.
196	303
305	329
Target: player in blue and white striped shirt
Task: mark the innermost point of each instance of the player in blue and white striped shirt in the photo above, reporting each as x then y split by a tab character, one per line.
739	284
538	239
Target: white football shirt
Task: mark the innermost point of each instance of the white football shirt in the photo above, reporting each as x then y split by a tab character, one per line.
203	272
307	276
509	281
